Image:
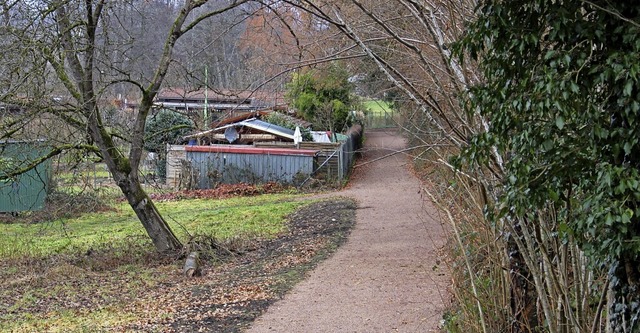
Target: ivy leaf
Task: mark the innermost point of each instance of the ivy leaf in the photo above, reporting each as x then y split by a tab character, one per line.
627	148
627	215
560	122
574	87
609	220
628	87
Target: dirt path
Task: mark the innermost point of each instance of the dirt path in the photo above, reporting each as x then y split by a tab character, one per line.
387	277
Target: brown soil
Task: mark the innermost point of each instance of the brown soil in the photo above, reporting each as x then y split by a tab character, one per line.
230	297
388	276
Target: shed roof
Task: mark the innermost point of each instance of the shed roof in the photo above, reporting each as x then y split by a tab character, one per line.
252	123
260	115
253	97
268	127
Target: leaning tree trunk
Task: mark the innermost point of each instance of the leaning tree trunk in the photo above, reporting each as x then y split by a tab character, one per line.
125	174
157	228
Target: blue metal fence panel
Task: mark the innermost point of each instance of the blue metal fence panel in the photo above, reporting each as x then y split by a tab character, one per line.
230	168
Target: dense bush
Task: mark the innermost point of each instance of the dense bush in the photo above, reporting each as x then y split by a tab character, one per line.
561	92
324	97
162	128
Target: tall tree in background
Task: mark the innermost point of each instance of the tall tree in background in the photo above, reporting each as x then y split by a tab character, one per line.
280	37
323	97
65	49
212	48
562	95
271	40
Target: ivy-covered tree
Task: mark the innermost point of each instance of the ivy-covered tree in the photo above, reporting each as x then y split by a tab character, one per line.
323	97
561	92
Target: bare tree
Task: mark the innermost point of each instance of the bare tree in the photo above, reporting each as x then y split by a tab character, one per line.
68	59
536	280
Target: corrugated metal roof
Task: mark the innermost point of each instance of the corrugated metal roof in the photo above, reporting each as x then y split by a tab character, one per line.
255	124
212	106
268	127
217	94
264	98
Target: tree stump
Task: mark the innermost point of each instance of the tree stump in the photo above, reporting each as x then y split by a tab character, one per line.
192	265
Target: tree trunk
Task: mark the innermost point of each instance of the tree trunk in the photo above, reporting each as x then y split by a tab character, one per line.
523	294
624	311
192	265
125	174
157	228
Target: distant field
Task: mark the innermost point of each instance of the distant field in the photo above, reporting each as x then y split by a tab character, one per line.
92	171
378	107
380	114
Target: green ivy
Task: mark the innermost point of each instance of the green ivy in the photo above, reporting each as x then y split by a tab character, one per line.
561	93
165	127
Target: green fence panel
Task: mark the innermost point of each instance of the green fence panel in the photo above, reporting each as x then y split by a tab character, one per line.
28	191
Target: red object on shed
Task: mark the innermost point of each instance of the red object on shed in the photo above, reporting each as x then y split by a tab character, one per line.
251	150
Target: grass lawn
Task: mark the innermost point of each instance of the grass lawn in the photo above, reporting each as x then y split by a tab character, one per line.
261	216
378	107
99	271
380	114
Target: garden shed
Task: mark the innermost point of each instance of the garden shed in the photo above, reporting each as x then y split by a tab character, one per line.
206	166
28	191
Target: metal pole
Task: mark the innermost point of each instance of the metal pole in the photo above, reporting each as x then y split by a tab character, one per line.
206	96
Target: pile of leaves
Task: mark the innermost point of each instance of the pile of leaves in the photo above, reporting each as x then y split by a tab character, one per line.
222	191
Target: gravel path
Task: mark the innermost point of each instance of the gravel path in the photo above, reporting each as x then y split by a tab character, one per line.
387	277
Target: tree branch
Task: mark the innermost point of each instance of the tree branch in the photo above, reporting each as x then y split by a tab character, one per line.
7	175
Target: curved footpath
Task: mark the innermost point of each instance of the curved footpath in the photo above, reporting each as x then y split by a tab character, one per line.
387	276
